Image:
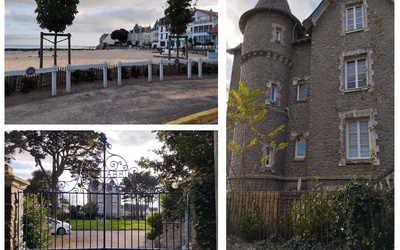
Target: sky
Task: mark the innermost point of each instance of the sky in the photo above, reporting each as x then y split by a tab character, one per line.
301	9
94	19
131	145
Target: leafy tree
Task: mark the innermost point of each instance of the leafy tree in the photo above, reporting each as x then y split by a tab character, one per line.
245	112
188	157
66	149
91	209
55	16
140	185
37	233
38	181
178	14
121	35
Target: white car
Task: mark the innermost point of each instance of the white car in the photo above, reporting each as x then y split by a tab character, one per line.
59	227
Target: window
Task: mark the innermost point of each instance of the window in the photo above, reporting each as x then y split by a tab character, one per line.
354	18
99	198
278	36
300	151
268	157
302	91
272	93
356	76
114	208
358	139
100	206
114	198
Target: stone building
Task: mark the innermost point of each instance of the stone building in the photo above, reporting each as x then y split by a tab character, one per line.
315	76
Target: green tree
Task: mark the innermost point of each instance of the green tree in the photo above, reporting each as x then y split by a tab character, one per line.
140	185
121	35
55	16
245	112
187	157
178	14
37	233
91	209
66	149
38	181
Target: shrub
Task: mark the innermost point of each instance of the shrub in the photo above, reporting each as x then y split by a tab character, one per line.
37	233
135	72
9	88
28	83
155	221
76	75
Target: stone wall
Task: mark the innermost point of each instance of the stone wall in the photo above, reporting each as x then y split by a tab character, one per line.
13	208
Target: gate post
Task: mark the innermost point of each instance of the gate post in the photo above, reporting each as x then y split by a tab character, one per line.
13	209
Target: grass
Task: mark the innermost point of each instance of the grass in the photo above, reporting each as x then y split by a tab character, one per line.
79	224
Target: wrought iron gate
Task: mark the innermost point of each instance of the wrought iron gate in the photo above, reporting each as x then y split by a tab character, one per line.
91	211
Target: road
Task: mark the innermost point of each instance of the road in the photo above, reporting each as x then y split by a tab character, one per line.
132	103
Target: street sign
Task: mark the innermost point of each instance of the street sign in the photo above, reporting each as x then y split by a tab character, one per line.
30	71
176	61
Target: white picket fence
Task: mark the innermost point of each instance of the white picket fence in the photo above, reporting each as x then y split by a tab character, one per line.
70	68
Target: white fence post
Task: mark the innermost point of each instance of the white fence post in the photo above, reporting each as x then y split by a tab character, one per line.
105	74
68	78
161	71
200	65
54	80
189	68
150	71
119	73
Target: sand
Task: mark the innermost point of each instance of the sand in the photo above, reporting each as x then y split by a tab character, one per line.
20	60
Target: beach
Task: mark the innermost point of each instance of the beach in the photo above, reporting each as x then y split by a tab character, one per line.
21	60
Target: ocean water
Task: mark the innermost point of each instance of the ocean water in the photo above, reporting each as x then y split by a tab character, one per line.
60	46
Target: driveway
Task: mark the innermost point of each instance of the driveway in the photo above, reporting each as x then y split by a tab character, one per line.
132	103
120	239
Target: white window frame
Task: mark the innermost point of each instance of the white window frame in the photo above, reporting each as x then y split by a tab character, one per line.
296	154
298	91
278	87
354	10
358	76
357	115
353	4
359	140
114	208
100	207
355	55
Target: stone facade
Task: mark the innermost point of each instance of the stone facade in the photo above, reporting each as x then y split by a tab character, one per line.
13	206
307	64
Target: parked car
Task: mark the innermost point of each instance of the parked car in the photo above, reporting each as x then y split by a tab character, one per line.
58	227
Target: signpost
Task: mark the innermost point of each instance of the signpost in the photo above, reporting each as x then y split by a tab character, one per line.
176	61
30	71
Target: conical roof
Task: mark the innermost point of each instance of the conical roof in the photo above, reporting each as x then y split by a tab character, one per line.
279	5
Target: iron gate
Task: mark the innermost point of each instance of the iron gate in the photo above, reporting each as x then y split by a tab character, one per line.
94	211
122	221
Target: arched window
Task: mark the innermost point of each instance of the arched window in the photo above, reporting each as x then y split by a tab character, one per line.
300	151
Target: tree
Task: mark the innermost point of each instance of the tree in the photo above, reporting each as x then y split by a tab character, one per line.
178	14
55	16
121	35
188	158
38	181
91	209
244	115
66	149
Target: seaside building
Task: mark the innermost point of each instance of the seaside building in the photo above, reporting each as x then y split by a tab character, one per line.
203	22
140	35
330	81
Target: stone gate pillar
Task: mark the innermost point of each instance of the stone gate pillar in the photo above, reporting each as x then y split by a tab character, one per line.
13	185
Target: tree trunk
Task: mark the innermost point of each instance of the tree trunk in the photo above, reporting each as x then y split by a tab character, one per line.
55	48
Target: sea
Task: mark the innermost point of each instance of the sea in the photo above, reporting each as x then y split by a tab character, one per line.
45	46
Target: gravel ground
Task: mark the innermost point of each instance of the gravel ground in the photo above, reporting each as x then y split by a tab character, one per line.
132	103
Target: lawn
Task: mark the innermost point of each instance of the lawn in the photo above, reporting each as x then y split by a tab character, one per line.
110	225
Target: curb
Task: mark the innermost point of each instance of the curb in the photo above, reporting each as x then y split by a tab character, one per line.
198	118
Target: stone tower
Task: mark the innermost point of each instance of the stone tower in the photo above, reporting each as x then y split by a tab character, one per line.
265	63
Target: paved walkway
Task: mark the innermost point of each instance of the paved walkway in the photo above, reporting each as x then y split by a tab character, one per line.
137	103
